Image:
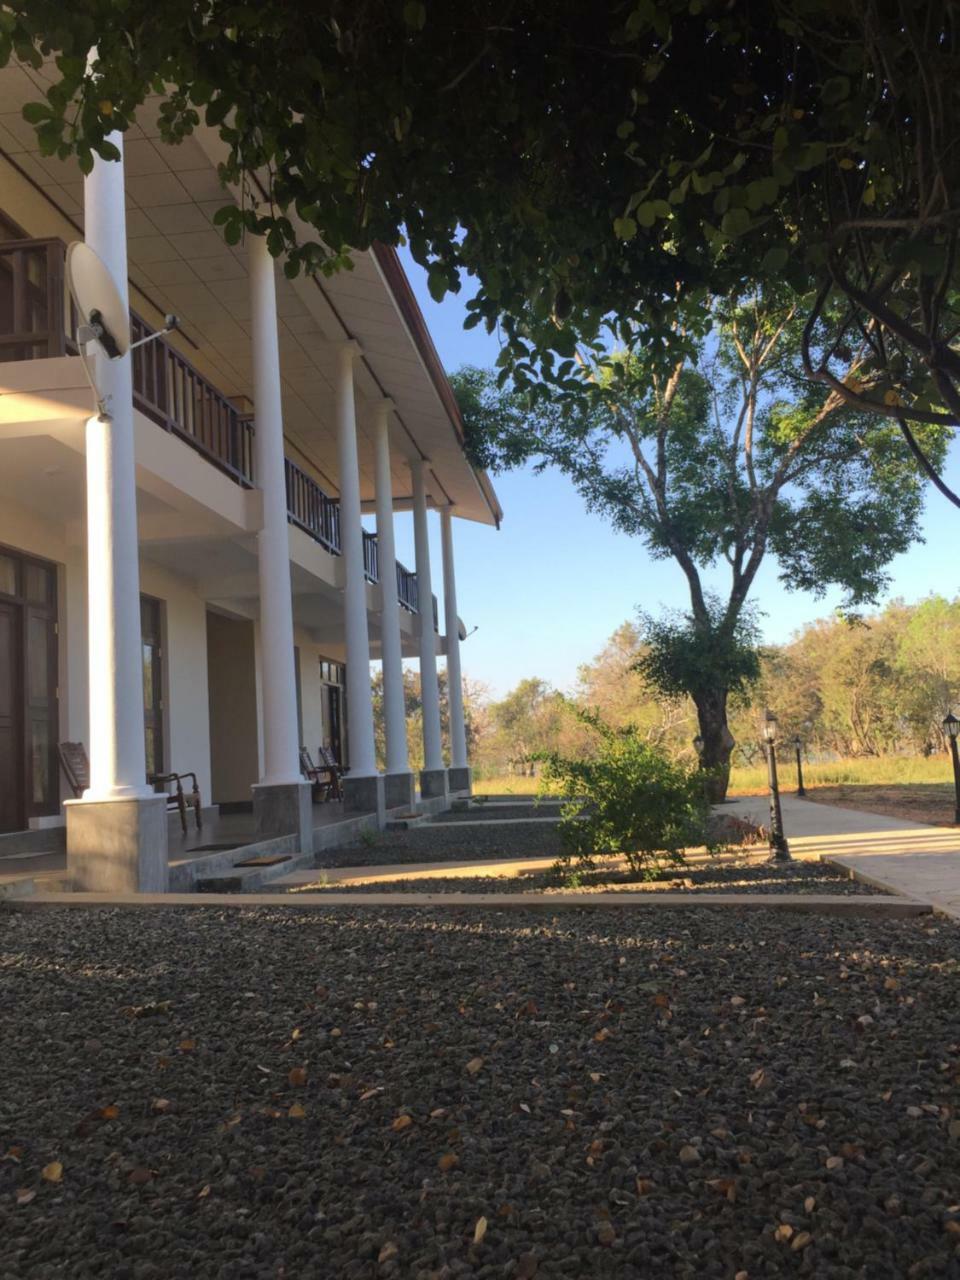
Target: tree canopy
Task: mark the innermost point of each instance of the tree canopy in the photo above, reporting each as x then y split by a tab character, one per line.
593	167
731	457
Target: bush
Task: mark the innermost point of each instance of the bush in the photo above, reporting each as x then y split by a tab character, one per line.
628	798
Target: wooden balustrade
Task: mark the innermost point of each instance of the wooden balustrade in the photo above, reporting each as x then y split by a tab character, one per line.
312	510
32	299
35	316
371	557
175	395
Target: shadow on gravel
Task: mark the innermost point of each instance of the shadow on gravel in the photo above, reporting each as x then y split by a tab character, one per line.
374	1093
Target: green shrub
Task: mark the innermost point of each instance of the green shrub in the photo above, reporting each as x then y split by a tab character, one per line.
628	798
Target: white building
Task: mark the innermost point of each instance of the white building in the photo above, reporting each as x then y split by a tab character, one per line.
189	586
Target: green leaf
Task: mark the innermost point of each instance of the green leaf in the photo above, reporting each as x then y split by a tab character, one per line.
226	213
415	15
762	191
218	110
625	128
835	90
735	222
34	112
774	260
437	283
626	228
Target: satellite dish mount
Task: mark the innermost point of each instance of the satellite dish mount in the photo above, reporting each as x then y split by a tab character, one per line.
104	318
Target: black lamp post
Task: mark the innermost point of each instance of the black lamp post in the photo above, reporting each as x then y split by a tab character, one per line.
779	849
801	789
951	726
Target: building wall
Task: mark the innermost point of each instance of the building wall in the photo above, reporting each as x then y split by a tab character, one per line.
232	695
186	723
186	726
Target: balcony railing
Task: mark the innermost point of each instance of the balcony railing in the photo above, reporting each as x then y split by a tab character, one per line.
312	510
371	557
32	299
407	592
36	321
168	389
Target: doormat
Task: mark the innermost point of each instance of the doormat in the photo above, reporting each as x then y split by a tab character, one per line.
214	848
265	860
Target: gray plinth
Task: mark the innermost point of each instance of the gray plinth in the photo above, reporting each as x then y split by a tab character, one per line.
363	794
399	790
460	780
117	846
284	809
433	784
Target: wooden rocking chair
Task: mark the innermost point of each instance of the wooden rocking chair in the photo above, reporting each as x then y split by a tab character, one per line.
328	758
324	778
76	769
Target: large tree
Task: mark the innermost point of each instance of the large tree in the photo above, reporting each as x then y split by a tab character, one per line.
733	456
589	164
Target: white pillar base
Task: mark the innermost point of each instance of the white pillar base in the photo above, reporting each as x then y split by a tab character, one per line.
399	790
118	846
433	784
460	780
364	794
284	809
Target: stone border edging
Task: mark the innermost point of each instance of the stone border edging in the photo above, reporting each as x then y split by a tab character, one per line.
833	904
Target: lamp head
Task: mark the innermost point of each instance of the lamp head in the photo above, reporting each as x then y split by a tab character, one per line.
769	726
951	725
698	744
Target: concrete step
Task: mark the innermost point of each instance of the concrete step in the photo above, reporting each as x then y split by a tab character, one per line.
406	822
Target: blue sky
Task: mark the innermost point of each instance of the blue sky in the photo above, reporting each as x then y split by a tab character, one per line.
547	591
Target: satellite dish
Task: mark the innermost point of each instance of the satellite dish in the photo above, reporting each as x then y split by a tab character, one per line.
103	316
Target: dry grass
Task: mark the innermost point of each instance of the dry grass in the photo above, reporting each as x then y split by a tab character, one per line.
874	771
507	784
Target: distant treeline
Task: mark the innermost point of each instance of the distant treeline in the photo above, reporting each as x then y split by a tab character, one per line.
867	686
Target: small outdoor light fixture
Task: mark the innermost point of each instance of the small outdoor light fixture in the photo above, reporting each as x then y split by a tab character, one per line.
798	743
951	727
698	745
779	849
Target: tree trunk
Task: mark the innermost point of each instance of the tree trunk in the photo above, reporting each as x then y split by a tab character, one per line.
718	742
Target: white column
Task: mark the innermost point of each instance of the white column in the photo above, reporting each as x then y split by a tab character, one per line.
116	746
363	756
281	758
451	623
394	710
429	689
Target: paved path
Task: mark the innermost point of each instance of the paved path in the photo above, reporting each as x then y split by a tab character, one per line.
899	856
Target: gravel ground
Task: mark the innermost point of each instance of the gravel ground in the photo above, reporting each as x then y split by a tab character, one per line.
444	843
798	877
284	1093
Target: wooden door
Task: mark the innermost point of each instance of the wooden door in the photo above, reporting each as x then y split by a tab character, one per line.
29	708
152	651
11	719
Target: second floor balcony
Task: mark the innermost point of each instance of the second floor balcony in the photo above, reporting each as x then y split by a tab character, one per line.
36	323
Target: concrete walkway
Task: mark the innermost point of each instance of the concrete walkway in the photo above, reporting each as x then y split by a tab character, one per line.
898	856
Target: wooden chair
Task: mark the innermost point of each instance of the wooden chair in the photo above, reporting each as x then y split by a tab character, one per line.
328	758
325	782
76	768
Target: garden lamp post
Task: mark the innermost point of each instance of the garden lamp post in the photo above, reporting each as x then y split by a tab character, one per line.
698	748
801	789
779	849
951	726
